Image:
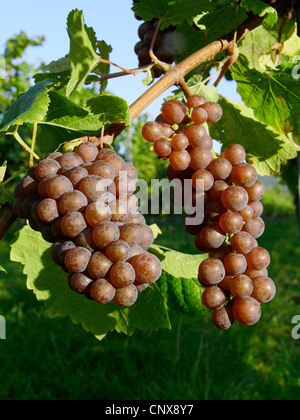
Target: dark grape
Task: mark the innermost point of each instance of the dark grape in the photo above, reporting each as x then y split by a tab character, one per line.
211	271
213	298
126	296
105	233
87	151
147	267
247	311
73	224
99	265
72	201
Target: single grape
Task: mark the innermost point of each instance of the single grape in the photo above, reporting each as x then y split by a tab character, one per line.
103	169
202	180
87	151
132	234
180	160
118	251
180	142
80	283
46	167
162	148
148	237
58	186
235	264
247	213
92	187
97	212
220	168
244	175
122	274
70	159
199	116
214	112
195	101
48	210
258	259
247	311
256	191
73	224
196	135
257	208
211	271
213	298
99	265
76	175
147	267
105	233
77	259
152	131
241	286
256	273
212	236
231	222
242	243
264	289
234	198
29	185
126	296
223	318
235	153
102	291
255	227
72	201
200	158
174	112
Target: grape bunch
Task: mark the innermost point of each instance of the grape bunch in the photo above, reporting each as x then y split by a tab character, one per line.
235	275
163	47
83	203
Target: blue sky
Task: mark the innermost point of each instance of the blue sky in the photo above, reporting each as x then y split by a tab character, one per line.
113	22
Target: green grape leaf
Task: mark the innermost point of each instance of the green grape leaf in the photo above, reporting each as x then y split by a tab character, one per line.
171	12
182	295
83	58
178	264
110	109
266	149
67	114
49	284
259	43
274	95
261	9
30	107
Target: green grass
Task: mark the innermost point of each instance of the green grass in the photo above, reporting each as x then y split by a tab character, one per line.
51	359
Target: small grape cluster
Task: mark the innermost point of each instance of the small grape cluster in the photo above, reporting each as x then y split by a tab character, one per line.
83	203
163	47
235	275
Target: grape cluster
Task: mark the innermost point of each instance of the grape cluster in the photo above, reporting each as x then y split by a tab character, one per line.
163	47
83	203
235	275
